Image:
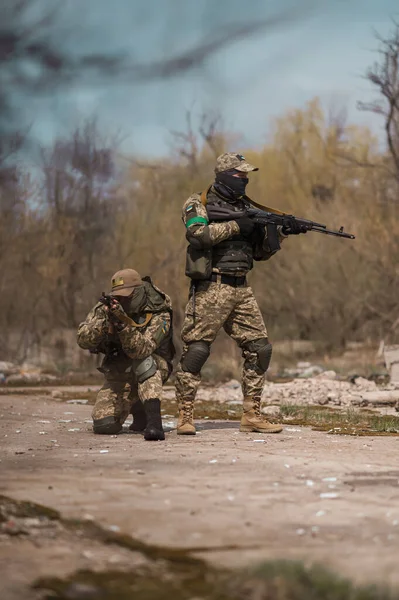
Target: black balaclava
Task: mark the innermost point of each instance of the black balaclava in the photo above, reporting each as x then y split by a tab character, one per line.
230	187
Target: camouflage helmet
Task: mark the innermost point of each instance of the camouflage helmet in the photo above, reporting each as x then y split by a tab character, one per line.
232	160
123	282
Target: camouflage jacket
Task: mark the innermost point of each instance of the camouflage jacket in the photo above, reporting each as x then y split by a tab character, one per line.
97	333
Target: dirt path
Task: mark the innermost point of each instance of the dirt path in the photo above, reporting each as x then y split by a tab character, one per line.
259	497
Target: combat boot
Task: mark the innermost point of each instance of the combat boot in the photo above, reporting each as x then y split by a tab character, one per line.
154	430
252	419
185	423
139	417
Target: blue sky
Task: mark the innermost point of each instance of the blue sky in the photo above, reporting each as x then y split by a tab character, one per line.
324	53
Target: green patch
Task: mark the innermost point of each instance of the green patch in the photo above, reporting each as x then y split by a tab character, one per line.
275	580
345	422
23	509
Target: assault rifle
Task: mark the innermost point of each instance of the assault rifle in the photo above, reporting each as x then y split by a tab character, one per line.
114	312
119	315
271	220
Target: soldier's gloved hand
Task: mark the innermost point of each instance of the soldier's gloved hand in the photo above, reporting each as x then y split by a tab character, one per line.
246	226
292	227
114	311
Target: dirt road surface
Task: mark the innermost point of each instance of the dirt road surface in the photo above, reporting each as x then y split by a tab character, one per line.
239	498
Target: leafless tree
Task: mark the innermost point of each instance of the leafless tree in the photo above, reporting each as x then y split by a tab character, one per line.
384	76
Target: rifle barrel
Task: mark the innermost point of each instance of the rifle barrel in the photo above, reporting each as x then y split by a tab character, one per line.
342	233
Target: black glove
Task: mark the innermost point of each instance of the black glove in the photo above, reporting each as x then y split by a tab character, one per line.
292	227
246	226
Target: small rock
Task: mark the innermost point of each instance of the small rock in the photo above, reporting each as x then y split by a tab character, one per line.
77	401
327	375
140	472
322	401
82	591
32	522
329	495
56	395
271	411
311	371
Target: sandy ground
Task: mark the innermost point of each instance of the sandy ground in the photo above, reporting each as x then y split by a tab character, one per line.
239	498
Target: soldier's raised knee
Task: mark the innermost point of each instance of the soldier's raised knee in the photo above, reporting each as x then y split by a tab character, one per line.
195	357
263	350
145	369
107	426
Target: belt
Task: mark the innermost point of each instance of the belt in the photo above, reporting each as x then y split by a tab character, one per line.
229	280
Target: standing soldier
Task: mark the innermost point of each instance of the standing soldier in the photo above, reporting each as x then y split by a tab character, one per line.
133	328
219	256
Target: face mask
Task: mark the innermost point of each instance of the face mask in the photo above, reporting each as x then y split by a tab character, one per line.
137	300
230	186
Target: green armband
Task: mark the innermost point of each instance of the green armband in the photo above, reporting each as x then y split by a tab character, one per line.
194	220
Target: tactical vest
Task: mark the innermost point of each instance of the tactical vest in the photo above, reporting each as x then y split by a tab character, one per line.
235	254
229	257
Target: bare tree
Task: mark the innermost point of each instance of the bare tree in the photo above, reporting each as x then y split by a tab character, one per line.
33	62
384	75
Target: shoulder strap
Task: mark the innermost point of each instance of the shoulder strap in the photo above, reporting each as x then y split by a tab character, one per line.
263	207
204	201
204	195
125	319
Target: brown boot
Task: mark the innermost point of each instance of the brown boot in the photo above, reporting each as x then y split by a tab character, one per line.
252	419
185	423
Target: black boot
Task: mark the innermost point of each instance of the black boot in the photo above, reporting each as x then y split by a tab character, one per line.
139	418
154	429
107	426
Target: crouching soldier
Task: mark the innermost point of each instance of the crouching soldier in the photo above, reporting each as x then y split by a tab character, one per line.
132	327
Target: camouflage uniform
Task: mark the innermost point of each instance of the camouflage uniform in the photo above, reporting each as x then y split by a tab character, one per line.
221	297
133	357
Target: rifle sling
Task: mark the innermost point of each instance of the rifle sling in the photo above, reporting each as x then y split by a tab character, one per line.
204	201
125	319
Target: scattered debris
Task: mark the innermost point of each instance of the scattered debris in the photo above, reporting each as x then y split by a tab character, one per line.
77	401
329	495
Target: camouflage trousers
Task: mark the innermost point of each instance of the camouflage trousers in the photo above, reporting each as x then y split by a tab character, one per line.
113	399
219	305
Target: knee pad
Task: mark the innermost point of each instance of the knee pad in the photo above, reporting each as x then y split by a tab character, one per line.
263	350
107	426
145	369
195	357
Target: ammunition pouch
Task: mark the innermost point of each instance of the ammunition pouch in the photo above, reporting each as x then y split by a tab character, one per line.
198	262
